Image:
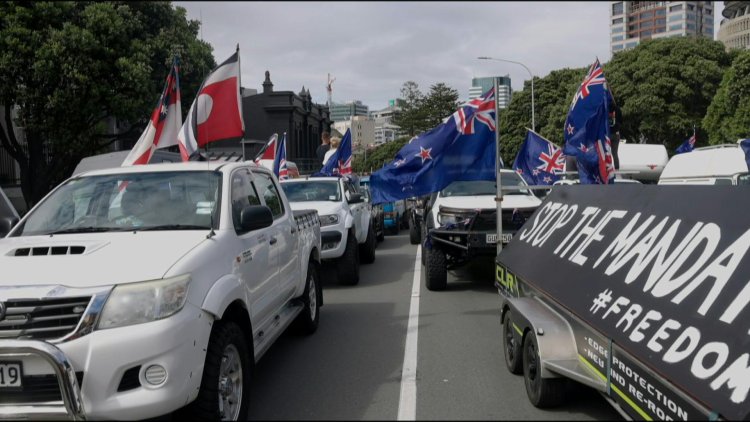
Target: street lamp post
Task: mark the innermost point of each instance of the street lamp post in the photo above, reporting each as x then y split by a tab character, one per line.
533	126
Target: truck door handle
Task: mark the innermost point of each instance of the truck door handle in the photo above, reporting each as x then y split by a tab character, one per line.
273	240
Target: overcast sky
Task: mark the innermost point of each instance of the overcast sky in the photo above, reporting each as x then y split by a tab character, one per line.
372	48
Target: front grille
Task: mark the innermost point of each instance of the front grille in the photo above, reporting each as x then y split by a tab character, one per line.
486	219
36	389
44	319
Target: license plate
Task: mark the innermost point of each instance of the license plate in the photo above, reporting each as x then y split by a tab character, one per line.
507	237
492	238
10	374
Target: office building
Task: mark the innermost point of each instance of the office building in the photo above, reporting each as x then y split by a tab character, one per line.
344	111
634	21
734	30
362	130
481	85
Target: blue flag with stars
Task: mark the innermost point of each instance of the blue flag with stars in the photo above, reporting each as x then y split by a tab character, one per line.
460	148
745	145
539	161
586	131
687	146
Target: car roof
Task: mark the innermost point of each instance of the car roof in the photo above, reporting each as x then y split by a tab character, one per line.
167	167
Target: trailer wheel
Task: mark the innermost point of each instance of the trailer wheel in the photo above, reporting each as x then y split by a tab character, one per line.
542	392
511	347
436	274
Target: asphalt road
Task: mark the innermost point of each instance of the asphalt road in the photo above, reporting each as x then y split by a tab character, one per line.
351	367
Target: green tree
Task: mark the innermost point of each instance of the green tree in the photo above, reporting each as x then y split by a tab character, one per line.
664	87
728	117
68	67
441	102
411	117
552	96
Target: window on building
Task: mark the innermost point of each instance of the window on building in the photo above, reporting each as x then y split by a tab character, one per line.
675	18
690	16
646	33
659	30
675	8
691	7
690	26
647	24
617	29
632	27
631	44
661	21
675	27
661	12
616	21
617	47
617	38
647	15
617	9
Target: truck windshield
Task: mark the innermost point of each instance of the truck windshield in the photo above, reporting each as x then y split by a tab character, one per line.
312	191
126	202
486	187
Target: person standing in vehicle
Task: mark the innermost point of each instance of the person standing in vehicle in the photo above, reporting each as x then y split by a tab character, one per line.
323	147
334	146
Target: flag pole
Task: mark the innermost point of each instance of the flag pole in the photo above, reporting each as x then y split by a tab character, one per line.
499	197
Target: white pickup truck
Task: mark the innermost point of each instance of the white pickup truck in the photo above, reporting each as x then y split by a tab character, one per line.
129	293
461	223
347	229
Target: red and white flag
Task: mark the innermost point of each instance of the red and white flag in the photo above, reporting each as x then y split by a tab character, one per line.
216	113
268	152
164	124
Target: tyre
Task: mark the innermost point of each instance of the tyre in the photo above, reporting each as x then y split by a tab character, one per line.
367	249
348	265
542	392
511	347
413	233
307	321
436	273
381	235
424	248
225	386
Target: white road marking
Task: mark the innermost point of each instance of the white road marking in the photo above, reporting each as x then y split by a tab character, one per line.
407	402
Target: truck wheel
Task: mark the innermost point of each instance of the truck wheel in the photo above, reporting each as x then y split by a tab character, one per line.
436	273
225	386
413	233
348	265
512	348
381	235
307	321
424	248
542	392
367	249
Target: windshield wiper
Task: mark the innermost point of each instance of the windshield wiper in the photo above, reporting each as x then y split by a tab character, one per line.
173	227
85	230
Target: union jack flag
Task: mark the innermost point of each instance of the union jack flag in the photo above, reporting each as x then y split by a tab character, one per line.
553	161
481	109
594	77
279	162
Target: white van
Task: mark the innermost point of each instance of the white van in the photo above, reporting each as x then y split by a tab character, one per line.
643	162
714	165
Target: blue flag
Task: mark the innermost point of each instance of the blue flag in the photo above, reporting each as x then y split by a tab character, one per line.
745	145
539	161
460	148
279	162
586	130
688	145
340	163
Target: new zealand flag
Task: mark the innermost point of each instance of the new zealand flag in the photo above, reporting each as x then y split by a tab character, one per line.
539	161
460	148
688	145
279	162
340	163
586	130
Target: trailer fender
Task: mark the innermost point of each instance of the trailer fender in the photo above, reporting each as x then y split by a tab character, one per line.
554	335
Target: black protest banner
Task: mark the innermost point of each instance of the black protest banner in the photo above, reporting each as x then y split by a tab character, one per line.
663	271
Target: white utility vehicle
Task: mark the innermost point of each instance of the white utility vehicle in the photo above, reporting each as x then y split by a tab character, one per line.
461	223
346	224
714	165
129	293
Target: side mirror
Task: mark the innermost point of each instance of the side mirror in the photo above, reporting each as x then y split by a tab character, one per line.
355	198
6	225
254	217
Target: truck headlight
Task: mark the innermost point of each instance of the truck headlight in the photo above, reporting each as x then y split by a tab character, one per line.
446	219
328	220
147	301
